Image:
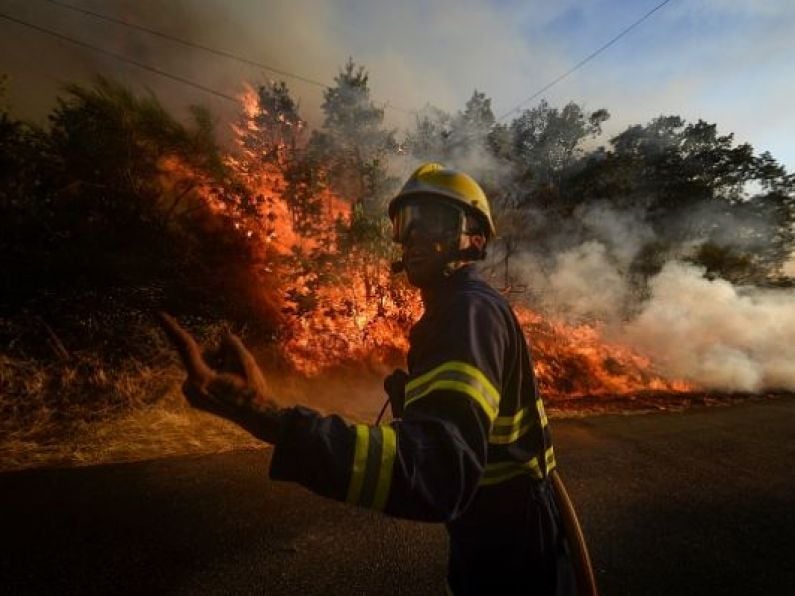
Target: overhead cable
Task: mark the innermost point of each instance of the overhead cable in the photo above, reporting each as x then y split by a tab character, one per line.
121	58
205	48
582	62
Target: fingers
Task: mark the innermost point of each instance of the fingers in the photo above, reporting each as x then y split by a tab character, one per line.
229	389
206	401
246	359
188	349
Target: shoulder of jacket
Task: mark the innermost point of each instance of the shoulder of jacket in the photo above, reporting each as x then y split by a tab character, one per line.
481	294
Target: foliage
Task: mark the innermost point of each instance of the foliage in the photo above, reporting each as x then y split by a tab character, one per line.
352	142
696	187
115	208
547	142
106	199
354	147
273	129
698	192
116	196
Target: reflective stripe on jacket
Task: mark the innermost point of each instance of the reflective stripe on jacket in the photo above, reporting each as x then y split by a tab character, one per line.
472	448
472	419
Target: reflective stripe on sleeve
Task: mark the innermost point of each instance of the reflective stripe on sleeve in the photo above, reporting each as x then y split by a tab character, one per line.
541	413
502	471
508	429
371	470
456	376
388	451
359	463
549	460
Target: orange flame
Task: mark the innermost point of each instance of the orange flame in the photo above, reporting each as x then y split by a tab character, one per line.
576	360
349	309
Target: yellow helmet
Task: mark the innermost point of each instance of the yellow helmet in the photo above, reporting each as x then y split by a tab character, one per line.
434	179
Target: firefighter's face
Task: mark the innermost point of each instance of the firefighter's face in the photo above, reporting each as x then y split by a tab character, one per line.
425	256
430	234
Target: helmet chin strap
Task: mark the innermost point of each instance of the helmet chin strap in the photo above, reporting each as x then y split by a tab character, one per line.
471	253
461	256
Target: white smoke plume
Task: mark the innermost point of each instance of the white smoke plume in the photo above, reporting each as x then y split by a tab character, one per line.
707	331
625	232
583	283
715	334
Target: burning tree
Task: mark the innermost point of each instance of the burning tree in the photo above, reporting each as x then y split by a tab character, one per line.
339	301
111	198
325	200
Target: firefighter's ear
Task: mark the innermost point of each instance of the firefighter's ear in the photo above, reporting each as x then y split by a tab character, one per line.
473	247
478	241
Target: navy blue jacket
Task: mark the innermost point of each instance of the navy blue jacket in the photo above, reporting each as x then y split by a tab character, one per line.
472	450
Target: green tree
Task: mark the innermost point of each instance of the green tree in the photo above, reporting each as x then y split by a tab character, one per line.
464	137
118	200
548	141
429	139
535	156
470	129
697	188
354	147
353	143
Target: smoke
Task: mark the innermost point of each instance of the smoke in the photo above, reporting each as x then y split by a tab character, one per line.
705	330
313	40
625	232
715	334
583	283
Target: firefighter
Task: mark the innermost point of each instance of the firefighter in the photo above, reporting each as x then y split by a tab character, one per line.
470	445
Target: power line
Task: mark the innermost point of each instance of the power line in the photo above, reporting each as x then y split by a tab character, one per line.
198	46
188	43
257	64
584	61
121	58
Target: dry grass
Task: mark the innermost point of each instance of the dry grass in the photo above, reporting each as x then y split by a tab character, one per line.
82	413
85	410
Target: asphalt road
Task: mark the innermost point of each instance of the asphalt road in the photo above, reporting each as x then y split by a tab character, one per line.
700	502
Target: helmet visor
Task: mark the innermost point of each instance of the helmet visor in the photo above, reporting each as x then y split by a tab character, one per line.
436	220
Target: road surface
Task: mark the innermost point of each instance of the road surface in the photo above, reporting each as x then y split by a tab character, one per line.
700	502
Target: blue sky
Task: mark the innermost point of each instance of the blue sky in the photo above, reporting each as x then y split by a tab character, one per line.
726	61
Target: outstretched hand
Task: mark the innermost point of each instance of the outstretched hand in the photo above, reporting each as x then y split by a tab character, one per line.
235	389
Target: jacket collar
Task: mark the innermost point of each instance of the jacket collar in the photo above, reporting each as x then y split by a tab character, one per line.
438	294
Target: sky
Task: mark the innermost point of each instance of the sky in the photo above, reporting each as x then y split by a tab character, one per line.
724	61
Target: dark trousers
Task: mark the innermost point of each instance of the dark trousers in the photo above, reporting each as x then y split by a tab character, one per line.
516	547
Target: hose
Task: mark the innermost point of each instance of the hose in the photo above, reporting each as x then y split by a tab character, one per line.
583	570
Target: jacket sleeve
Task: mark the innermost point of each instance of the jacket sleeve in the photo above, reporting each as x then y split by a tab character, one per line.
426	466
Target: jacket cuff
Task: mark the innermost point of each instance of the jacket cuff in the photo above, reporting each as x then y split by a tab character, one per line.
313	450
